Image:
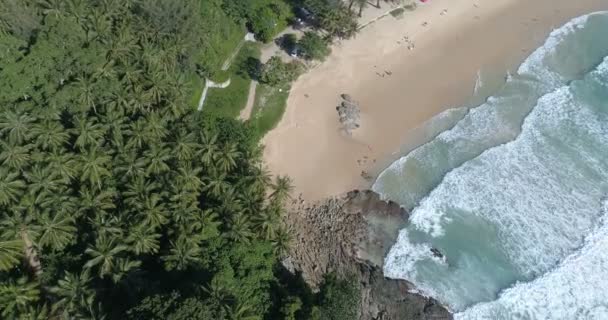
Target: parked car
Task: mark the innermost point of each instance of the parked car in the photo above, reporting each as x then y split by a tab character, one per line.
304	14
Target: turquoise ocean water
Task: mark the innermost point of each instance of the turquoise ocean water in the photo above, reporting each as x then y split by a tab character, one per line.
515	193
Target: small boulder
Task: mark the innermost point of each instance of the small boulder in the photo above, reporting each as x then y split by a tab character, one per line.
347	97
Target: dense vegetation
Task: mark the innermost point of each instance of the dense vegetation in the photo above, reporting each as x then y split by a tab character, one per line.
118	200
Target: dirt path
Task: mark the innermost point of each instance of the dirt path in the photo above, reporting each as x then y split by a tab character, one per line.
246	112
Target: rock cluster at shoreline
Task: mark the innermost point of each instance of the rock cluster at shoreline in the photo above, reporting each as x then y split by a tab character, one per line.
349	113
349	236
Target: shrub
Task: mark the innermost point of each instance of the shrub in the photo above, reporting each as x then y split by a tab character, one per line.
333	17
338	300
276	72
313	46
266	21
263	23
289	42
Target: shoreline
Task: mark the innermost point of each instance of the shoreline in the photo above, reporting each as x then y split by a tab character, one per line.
450	50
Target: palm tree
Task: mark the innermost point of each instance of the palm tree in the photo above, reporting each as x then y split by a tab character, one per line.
241	311
280	241
131	73
123	267
14	157
185	145
104	255
227	157
183	253
122	47
218	293
88	133
209	148
266	221
206	224
120	100
143	239
54	7
188	178
230	203
21	225
11	252
11	186
157	82
42	182
141	99
94	166
50	135
178	88
240	229
153	213
158	157
77	8
101	23
63	164
57	231
86	93
156	127
259	178
16	125
216	183
182	201
282	188
107	226
251	200
96	201
16	297
138	135
116	124
37	312
137	190
74	293
129	166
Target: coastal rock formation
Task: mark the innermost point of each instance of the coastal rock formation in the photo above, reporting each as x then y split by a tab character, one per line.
350	235
349	113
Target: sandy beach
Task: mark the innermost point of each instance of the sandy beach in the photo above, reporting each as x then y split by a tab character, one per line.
453	40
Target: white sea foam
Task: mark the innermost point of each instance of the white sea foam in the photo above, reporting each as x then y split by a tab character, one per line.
536	64
517	204
478	83
574	290
540	193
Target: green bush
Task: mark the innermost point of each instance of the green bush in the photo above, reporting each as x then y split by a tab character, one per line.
339	300
313	46
265	18
276	72
264	23
333	17
289	41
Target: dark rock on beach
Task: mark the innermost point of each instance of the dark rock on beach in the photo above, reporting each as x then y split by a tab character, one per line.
349	236
349	114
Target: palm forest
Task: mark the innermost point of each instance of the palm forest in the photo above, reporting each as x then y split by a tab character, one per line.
118	200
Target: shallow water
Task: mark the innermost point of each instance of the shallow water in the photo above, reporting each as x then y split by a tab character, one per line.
512	193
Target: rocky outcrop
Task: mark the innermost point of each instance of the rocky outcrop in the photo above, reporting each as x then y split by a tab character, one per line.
350	235
349	113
